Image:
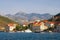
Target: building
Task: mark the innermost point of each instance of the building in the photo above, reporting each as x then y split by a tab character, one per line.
46	23
39	26
11	26
52	24
43	26
36	26
57	29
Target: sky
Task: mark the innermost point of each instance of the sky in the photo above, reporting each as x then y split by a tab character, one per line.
29	6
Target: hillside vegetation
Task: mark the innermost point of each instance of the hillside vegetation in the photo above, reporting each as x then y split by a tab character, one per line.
4	21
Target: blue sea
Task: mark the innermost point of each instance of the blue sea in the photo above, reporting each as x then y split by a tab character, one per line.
29	36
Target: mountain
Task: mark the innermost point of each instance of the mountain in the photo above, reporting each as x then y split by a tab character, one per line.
24	17
57	14
56	18
4	21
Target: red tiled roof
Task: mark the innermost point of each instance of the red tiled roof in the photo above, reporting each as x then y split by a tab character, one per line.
45	20
10	24
36	23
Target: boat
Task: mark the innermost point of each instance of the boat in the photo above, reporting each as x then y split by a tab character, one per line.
28	31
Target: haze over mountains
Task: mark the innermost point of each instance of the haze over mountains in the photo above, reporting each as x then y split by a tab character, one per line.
24	17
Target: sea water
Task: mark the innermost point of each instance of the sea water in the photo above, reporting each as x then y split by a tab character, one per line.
29	36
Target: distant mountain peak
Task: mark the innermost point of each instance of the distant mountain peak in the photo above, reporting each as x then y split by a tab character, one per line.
31	16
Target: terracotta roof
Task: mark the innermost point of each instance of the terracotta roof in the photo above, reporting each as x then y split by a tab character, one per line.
10	24
36	23
45	20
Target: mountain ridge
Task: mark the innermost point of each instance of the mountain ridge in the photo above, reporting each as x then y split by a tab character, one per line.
4	21
28	17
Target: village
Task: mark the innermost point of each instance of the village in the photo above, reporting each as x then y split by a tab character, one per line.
36	26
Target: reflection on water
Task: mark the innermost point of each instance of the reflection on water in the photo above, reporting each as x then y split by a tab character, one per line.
29	36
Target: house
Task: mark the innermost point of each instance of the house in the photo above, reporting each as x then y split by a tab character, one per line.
57	29
52	24
39	26
11	26
43	26
36	26
46	23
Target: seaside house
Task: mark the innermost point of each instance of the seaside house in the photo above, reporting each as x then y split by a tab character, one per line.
43	26
58	28
36	26
11	26
46	23
39	26
52	24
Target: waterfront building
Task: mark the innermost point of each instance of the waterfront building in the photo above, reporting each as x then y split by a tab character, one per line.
58	28
11	26
36	26
52	24
43	26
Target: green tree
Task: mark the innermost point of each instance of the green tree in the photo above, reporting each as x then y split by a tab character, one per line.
19	27
26	27
30	26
